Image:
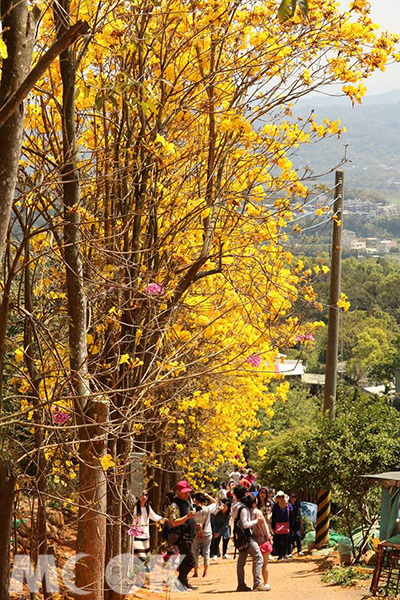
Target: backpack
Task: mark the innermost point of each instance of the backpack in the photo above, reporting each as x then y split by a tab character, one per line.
240	535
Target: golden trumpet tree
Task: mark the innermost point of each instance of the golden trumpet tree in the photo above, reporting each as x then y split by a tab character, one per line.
183	132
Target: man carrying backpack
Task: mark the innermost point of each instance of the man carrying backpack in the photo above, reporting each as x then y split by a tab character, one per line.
245	542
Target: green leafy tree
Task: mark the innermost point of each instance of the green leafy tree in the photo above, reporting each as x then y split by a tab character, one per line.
369	330
373	351
362	439
367	343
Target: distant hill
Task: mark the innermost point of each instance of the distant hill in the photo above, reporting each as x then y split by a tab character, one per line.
330	99
372	139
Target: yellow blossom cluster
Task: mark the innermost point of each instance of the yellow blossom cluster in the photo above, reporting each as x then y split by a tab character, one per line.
184	137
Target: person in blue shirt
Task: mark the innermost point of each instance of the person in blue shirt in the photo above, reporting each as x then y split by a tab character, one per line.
282	525
220	523
297	525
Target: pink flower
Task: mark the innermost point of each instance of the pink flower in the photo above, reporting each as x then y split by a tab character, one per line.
254	360
135	531
305	337
59	416
153	289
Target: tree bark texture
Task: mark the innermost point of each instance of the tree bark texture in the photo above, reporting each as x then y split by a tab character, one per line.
92	413
41	462
18	25
17	97
17	80
7	483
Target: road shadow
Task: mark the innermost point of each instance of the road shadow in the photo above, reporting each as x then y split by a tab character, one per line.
219	592
316	566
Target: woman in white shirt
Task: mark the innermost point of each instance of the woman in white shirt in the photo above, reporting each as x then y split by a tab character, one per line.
203	529
236	476
222	493
140	531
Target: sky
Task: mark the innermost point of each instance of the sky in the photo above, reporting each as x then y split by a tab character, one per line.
386	13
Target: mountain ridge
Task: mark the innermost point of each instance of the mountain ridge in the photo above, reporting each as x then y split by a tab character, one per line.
371	143
326	99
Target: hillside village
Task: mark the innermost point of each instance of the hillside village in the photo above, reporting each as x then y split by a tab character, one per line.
371	227
371	246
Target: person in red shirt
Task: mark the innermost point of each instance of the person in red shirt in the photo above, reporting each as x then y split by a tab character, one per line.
245	483
251	478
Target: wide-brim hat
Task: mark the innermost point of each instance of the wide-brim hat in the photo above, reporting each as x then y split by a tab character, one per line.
281	494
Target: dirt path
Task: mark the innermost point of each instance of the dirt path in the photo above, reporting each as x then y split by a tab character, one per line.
296	579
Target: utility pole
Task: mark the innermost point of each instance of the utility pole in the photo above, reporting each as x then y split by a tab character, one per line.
324	495
334	297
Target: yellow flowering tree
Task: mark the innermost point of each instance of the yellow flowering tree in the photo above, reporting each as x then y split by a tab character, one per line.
167	174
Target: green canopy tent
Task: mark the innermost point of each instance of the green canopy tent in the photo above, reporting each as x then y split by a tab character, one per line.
386	579
390	505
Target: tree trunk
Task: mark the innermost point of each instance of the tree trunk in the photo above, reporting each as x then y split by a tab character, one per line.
156	491
3	331
18	25
92	412
126	515
7	483
41	462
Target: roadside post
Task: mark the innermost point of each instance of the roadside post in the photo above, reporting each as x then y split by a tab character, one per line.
324	495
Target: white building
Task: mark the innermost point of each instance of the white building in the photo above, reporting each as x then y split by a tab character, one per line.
384	246
350	241
358	244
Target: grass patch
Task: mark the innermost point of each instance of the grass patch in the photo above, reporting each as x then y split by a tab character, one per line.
343	576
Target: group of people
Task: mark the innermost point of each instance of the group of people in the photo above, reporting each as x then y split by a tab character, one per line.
195	523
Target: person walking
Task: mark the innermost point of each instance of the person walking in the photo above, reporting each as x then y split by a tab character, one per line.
251	478
244	482
297	526
140	531
182	532
241	515
229	490
282	524
221	528
222	493
202	540
262	534
265	504
235	475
